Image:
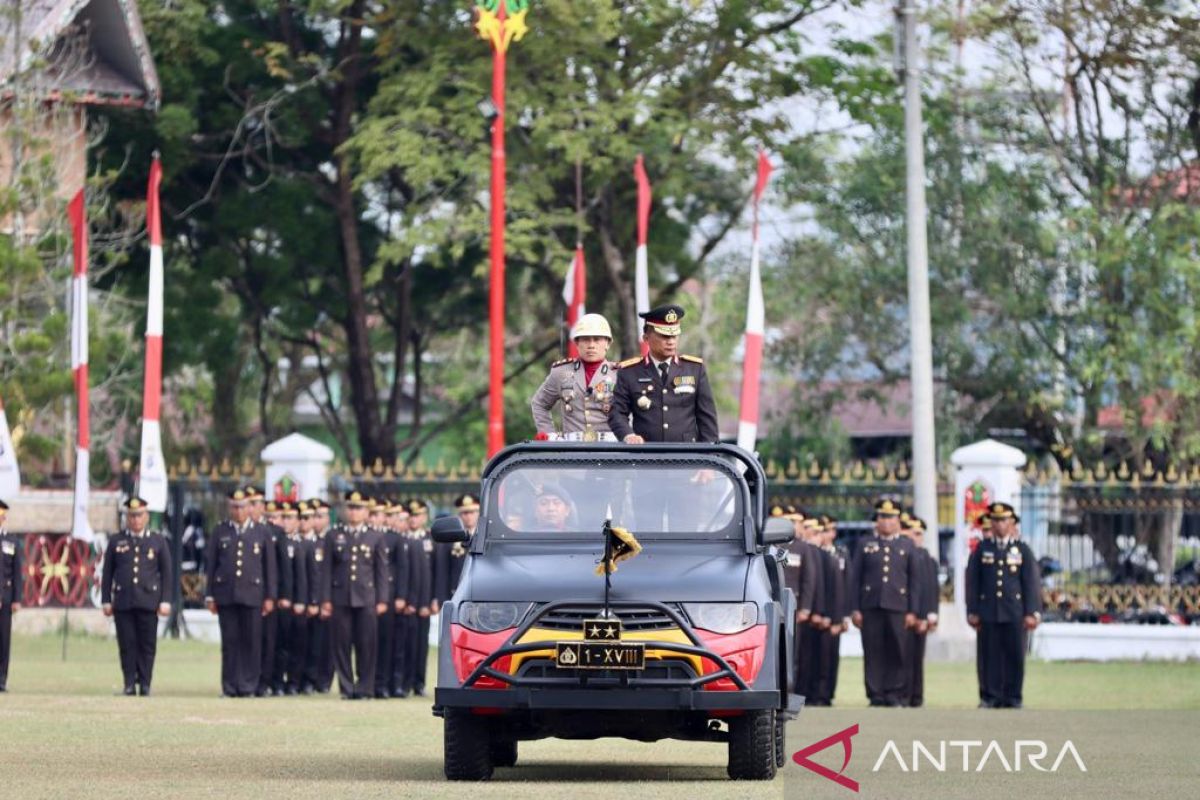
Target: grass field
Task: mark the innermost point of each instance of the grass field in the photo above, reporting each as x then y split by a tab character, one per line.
63	733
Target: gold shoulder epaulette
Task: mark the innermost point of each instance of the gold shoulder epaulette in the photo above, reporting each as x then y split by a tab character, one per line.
629	362
693	359
560	362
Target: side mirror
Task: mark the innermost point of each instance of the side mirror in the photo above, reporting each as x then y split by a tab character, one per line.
777	531
448	530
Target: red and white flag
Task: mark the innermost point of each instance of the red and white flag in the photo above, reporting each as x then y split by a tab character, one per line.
80	528
10	474
574	295
152	481
641	280
755	322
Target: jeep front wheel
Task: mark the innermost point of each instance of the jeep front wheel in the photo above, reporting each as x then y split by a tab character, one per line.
467	746
752	746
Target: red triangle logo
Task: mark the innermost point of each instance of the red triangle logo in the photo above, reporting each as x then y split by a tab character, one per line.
801	757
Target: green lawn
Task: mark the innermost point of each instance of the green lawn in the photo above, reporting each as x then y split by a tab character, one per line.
63	733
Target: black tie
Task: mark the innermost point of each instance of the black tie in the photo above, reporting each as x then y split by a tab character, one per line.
663	367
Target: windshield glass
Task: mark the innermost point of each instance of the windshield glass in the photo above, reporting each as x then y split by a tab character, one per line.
654	500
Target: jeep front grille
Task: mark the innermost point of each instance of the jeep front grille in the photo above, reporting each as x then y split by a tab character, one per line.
632	619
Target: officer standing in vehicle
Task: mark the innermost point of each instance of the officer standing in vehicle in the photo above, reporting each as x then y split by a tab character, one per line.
12	587
242	583
354	596
663	396
135	588
583	386
883	577
1002	614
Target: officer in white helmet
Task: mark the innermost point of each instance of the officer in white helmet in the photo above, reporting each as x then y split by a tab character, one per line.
583	386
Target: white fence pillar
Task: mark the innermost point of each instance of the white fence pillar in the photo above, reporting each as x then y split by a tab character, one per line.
297	468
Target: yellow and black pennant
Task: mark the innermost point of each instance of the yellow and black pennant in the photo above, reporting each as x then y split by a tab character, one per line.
620	545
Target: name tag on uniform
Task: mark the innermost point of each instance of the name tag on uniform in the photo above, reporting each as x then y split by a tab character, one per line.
685	390
988	558
793	560
871	548
8	548
121	548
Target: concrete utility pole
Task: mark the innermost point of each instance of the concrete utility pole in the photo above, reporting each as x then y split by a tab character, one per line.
924	461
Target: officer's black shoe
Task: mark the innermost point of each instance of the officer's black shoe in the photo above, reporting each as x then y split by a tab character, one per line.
419	692
262	693
1013	704
144	690
3	689
349	696
400	694
129	691
986	704
382	694
291	691
307	690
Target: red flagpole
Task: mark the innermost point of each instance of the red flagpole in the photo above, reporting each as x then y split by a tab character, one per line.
496	289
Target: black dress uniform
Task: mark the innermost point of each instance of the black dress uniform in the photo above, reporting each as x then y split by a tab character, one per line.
449	559
1004	588
669	401
292	631
883	578
271	622
831	644
355	581
242	575
12	587
318	664
420	597
390	542
310	590
927	597
401	569
808	639
136	578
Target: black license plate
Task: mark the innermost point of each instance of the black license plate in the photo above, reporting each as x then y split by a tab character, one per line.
599	655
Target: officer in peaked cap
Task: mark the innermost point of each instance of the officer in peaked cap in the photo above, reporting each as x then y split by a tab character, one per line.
242	585
381	520
420	603
882	581
1003	604
353	596
927	593
318	663
835	588
290	634
135	586
272	524
584	385
663	396
11	589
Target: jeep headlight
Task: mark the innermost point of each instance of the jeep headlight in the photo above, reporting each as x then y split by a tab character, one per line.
722	617
491	617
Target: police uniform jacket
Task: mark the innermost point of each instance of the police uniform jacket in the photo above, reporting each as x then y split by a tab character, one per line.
802	576
679	410
242	569
883	574
295	564
137	573
286	576
835	585
389	541
585	405
12	579
315	563
356	575
929	595
448	561
1003	582
420	564
401	568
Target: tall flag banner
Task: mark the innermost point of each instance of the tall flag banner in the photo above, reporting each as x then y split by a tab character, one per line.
80	528
574	295
10	474
641	282
152	483
755	322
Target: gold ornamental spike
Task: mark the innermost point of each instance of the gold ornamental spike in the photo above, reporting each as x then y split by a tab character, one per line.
463	470
793	469
825	476
357	467
814	470
419	469
440	470
1172	475
226	467
836	470
204	467
377	466
772	469
858	471
1123	472
1077	473
247	468
1148	469
903	472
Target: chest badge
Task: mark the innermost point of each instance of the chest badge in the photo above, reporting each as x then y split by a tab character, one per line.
643	403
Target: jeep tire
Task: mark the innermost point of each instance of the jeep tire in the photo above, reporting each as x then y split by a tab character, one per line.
780	735
467	746
504	752
752	746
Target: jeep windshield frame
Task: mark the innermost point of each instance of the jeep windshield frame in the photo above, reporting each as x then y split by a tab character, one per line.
720	486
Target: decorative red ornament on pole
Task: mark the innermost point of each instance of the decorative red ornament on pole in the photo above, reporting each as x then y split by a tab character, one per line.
498	26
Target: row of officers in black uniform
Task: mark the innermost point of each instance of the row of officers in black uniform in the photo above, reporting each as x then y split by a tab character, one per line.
888	588
297	600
